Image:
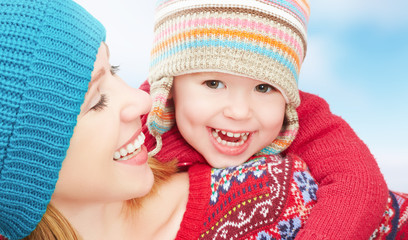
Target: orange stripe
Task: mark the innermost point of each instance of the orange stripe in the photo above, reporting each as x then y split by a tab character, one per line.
226	33
159	112
281	143
306	4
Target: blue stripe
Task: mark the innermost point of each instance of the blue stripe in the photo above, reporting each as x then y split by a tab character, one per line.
160	2
394	222
227	44
268	150
292	8
159	128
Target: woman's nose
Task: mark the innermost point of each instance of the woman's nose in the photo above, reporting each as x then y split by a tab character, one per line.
238	107
138	103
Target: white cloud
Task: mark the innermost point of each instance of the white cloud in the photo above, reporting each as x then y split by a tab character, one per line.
317	69
393	165
342	13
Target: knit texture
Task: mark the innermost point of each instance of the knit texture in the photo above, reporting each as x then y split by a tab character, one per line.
337	159
47	52
268	197
262	40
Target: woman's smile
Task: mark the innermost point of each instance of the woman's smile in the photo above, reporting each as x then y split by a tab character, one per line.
133	152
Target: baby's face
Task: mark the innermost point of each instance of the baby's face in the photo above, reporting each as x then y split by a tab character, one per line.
227	118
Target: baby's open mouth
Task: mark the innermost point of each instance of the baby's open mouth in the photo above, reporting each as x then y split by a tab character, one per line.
229	138
131	149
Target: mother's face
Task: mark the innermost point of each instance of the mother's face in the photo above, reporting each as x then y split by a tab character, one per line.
106	160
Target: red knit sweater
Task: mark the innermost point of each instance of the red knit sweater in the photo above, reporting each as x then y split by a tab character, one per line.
352	192
268	197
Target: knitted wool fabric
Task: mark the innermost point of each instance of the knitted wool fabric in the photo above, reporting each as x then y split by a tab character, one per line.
47	52
268	197
259	39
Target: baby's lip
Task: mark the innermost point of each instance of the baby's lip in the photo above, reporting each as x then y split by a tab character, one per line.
230	142
231	134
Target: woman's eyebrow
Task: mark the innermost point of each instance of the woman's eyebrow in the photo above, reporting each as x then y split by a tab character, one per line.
91	90
97	75
95	78
107	50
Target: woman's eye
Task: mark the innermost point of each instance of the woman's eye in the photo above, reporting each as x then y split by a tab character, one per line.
114	69
264	88
102	103
215	84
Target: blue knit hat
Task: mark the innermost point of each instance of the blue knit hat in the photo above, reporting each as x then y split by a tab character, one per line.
47	53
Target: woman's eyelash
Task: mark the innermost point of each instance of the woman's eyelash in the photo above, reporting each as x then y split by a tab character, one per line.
102	103
114	69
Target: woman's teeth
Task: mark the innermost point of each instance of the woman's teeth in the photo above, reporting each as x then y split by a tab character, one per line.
130	150
229	138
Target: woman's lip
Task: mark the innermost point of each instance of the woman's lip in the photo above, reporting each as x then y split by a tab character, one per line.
138	159
131	140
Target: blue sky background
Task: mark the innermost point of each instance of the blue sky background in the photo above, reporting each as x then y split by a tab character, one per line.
357	60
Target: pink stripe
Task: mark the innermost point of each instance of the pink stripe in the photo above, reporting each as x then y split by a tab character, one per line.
288	133
237	22
161	98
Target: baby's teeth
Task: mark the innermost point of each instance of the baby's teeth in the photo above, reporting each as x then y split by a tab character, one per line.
244	137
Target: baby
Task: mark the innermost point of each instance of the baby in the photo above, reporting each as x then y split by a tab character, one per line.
226	74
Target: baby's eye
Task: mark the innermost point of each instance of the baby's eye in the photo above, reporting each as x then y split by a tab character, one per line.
264	88
215	84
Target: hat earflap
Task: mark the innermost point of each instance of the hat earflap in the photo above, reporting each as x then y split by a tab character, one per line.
286	136
161	117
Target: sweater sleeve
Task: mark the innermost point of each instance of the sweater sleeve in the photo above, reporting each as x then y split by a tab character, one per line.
352	192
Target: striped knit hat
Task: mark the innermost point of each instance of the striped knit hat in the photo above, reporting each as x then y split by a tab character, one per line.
259	39
47	52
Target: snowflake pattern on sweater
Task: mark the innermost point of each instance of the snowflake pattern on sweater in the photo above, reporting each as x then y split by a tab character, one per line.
266	182
271	197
